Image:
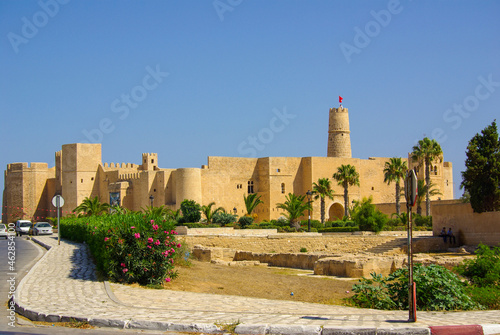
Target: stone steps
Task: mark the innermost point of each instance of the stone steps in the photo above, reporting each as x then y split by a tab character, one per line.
392	246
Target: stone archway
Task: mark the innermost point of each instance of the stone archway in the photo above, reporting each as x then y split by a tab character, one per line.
336	212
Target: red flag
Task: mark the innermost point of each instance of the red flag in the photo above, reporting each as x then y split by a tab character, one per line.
340	99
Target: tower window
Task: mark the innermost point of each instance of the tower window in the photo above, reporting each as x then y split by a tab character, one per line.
152	161
283	188
278	170
435	170
250	187
82	181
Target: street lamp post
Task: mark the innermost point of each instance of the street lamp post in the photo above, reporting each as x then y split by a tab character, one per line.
309	193
235	210
151	199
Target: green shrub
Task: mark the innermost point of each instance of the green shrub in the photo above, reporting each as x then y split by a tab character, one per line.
484	270
282	222
314	223
303	249
191	211
487	296
130	248
368	217
224	219
245	221
421	221
437	289
338	229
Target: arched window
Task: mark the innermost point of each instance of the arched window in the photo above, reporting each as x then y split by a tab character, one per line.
435	170
283	188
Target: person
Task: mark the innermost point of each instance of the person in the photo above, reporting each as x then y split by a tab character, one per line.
451	236
443	234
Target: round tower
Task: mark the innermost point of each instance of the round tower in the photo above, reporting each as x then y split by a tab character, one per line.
339	139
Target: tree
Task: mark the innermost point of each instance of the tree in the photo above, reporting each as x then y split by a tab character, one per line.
422	192
427	151
346	175
251	202
295	207
367	216
322	190
209	213
190	211
91	206
395	170
481	178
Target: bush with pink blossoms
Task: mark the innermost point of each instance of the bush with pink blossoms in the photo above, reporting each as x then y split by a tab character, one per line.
128	248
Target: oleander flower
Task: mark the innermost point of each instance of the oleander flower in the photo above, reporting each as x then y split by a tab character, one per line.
106	239
137	235
155	227
125	270
157	242
122	264
178	245
133	227
152	221
150	240
168	279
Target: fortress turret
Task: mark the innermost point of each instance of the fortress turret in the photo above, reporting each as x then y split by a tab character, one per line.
339	140
150	161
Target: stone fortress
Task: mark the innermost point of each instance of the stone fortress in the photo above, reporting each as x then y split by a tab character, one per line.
79	173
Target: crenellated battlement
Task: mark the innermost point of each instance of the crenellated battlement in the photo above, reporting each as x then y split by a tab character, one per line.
121	166
26	167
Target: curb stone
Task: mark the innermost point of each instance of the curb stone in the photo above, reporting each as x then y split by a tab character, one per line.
491	329
256	329
294	330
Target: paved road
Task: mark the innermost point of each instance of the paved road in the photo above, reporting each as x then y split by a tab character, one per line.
17	255
73	291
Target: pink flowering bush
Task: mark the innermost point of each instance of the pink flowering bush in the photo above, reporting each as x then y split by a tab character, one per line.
128	248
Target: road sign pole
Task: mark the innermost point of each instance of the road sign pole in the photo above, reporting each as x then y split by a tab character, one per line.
411	197
58	226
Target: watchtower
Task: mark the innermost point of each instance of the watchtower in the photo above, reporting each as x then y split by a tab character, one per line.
150	161
339	139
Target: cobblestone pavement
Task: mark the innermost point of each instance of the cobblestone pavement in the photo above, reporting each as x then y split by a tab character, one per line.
63	284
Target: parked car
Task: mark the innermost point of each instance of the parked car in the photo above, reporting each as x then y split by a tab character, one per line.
3	230
41	228
22	227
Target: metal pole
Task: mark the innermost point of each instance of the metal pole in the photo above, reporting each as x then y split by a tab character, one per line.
411	297
58	227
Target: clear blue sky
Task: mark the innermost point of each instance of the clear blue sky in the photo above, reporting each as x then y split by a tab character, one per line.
191	79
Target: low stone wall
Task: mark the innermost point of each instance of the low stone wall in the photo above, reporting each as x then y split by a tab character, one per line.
291	243
225	231
298	261
470	228
357	266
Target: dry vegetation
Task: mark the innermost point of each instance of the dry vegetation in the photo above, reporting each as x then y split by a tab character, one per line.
261	282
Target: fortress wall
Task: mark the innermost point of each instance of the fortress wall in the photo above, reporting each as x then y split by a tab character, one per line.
225	181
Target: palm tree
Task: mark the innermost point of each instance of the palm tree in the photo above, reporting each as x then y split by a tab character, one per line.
346	175
90	207
426	151
322	190
394	171
251	202
295	207
422	192
207	210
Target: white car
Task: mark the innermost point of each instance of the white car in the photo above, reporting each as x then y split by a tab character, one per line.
41	228
22	227
3	230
